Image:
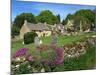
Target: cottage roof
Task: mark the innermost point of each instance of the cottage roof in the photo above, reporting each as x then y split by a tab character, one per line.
38	26
59	26
70	23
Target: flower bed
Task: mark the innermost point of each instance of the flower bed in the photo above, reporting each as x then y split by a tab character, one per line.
24	56
20	52
59	55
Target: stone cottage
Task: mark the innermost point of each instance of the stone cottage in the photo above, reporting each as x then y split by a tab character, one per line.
42	29
70	25
58	27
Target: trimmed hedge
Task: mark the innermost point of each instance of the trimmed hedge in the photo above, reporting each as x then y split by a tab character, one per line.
29	37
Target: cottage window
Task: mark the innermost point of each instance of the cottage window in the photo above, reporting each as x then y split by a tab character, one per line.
33	30
40	31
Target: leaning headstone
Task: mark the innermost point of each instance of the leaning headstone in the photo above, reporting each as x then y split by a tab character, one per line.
36	41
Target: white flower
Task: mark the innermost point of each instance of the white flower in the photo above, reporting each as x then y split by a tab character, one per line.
29	66
23	58
69	55
17	59
42	70
17	66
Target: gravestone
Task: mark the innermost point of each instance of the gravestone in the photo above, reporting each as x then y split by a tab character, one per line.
36	41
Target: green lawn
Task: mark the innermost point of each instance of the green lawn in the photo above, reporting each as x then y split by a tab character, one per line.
62	40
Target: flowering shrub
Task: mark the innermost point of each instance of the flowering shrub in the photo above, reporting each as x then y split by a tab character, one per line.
30	58
51	55
20	52
59	55
43	47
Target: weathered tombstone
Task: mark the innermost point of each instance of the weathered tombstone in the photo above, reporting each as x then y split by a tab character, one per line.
36	41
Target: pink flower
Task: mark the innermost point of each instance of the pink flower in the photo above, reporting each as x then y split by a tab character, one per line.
20	52
30	58
60	55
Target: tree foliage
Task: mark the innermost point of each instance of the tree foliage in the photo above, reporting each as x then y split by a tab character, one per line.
87	17
58	17
19	20
69	16
48	17
89	14
29	37
14	30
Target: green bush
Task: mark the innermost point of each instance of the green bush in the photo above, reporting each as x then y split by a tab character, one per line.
23	69
29	37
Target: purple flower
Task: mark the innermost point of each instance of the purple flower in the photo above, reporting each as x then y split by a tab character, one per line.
20	52
60	56
30	58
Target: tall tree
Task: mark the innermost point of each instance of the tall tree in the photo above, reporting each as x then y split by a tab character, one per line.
48	17
83	21
69	16
63	22
58	17
14	30
19	20
89	17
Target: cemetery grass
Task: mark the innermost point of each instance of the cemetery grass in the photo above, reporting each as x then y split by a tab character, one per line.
86	61
62	40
